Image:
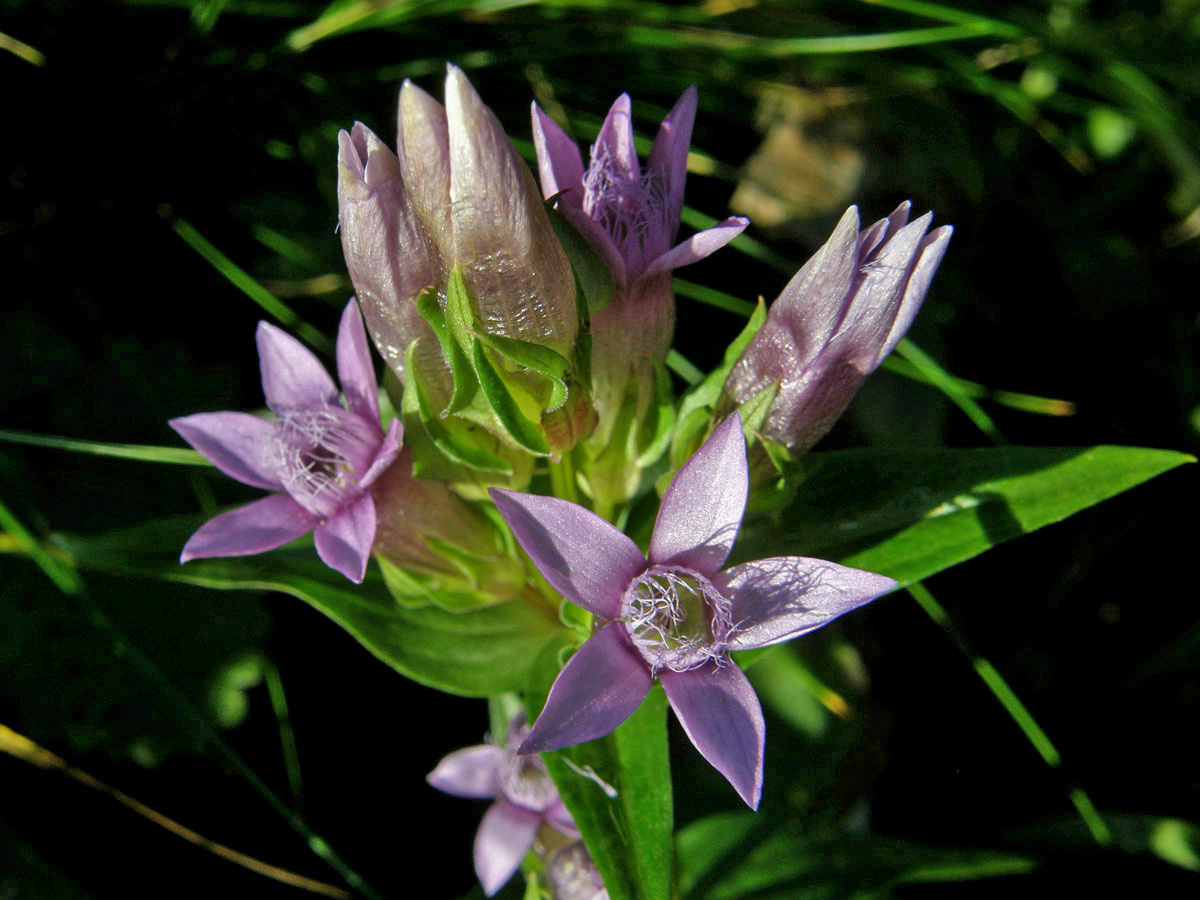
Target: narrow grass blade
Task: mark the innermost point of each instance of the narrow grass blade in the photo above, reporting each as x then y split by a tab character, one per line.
683	367
949	386
20	49
1014	707
246	283
141	452
714	298
1044	406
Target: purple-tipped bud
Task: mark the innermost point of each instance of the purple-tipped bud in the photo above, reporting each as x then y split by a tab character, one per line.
388	252
836	320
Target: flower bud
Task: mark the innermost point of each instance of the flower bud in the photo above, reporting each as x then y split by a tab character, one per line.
834	323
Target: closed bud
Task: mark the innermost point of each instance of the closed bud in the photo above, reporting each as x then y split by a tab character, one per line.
834	323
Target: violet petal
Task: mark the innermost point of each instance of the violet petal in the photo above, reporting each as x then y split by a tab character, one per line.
933	248
255	528
616	139
583	557
504	837
600	687
355	370
668	155
469	772
777	599
344	540
698	246
560	166
292	377
385	455
702	510
560	818
719	710
239	444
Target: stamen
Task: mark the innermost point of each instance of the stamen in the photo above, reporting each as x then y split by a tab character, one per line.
321	453
677	619
632	210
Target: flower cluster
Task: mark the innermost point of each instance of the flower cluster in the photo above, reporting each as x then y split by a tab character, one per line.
503	356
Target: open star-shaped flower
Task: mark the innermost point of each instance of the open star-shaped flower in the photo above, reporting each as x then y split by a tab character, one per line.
525	798
676	614
319	457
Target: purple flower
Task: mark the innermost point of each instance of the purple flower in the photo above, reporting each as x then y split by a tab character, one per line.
836	320
525	798
571	875
631	218
319	457
676	615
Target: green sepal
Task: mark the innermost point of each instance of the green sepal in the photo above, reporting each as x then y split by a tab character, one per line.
440	436
594	278
536	358
430	310
498	576
415	590
515	423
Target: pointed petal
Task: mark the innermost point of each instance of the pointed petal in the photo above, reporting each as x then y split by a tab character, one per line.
292	377
560	818
600	687
423	145
668	156
355	370
239	444
262	525
344	540
517	273
583	557
702	510
881	286
616	140
933	248
385	455
698	246
469	772
504	837
719	710
783	597
560	165
389	256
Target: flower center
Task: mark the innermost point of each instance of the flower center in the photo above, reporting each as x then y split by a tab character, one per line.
676	618
321	453
525	782
631	210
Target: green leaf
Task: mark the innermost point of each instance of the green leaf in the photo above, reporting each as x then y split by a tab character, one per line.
592	274
911	513
731	856
628	835
475	653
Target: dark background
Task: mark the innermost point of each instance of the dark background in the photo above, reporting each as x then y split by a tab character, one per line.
1059	282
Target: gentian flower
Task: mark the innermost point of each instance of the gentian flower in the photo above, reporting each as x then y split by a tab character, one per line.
318	456
676	614
836	320
571	875
525	799
631	219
